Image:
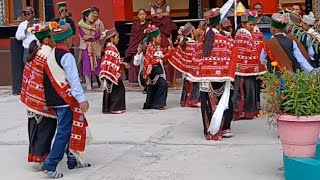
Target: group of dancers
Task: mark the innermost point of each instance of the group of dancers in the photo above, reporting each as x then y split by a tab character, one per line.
220	68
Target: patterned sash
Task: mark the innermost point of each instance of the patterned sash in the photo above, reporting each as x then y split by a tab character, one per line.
32	92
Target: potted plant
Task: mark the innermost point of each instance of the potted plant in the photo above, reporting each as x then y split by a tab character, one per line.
293	105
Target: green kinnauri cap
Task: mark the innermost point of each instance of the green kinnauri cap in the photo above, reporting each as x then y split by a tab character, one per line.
62	32
61	4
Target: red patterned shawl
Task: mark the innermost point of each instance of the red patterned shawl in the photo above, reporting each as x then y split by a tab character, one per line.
58	79
32	92
220	66
247	54
111	65
150	60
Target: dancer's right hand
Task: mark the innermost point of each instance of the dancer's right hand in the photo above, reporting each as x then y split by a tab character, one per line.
84	106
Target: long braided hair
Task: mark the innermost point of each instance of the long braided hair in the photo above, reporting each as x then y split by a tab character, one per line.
208	41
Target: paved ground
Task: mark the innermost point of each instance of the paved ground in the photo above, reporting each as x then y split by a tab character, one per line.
148	145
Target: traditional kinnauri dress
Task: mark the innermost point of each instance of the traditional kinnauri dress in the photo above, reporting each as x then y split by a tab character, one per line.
166	26
90	54
114	100
190	96
155	77
214	73
41	119
247	92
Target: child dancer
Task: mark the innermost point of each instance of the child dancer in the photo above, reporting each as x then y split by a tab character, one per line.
114	100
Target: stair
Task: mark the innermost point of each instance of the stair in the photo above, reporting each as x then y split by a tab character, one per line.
302	168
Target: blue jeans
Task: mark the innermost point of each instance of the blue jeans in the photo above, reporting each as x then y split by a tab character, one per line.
64	118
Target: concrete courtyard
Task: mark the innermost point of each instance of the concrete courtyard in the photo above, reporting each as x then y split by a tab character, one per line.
148	145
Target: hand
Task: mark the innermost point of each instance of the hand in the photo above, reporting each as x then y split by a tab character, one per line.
93	28
126	65
149	69
84	106
86	37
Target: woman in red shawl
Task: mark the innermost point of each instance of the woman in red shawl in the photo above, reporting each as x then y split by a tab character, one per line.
136	37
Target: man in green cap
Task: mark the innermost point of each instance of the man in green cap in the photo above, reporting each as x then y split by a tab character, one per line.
287	51
64	17
64	93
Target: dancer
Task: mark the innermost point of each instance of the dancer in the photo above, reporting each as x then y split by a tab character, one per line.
136	37
166	26
190	96
246	96
138	60
214	67
64	93
114	100
41	119
90	48
154	72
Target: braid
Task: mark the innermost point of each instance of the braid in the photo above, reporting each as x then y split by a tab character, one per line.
208	43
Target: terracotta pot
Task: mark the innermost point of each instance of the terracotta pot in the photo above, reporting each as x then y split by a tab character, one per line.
299	135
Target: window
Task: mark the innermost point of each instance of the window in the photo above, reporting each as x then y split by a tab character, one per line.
14	8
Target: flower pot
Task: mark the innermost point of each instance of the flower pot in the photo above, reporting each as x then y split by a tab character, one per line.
299	135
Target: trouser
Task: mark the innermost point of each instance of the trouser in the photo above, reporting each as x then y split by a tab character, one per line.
64	118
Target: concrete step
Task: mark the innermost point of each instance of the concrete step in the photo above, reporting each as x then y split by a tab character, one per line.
302	168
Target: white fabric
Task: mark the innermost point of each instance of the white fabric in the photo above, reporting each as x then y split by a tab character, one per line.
222	106
309	19
225	8
27	37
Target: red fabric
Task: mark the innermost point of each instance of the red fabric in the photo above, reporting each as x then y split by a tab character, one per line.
219	65
150	60
35	158
166	26
248	54
111	65
136	37
78	134
189	102
32	91
260	43
65	48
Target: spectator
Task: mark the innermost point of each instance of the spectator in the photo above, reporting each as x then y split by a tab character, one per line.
64	16
23	33
297	9
261	19
162	5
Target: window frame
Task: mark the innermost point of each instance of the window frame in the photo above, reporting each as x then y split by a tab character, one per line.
9	12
